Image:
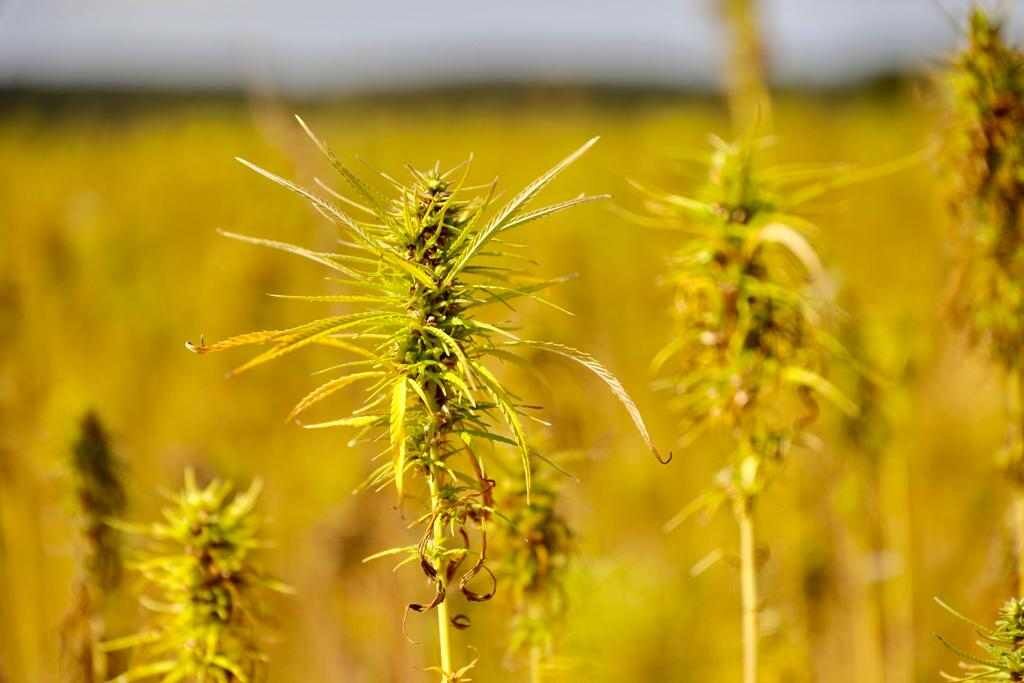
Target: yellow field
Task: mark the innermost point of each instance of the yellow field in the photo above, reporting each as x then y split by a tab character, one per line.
109	262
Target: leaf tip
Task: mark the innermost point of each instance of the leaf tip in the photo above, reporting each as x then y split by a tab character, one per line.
199	348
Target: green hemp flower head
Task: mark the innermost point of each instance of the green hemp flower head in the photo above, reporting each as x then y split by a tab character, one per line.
751	344
204	591
1003	647
419	268
985	157
536	546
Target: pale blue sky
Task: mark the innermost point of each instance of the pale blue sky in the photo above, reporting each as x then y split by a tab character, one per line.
301	45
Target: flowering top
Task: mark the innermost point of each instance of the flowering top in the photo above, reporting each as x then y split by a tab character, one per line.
536	548
986	158
1004	654
420	267
204	588
751	343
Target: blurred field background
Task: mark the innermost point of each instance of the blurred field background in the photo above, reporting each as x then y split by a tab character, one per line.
109	261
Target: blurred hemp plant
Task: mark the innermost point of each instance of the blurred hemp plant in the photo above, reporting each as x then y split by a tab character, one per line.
1003	659
100	498
204	590
422	265
752	338
749	101
985	158
536	546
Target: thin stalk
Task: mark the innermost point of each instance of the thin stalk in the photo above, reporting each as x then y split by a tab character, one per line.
898	593
536	673
1015	401
444	639
748	587
749	104
1018	533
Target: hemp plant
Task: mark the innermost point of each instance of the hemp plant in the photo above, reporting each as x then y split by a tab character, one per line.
100	498
421	266
535	547
985	157
1003	658
748	98
752	343
204	590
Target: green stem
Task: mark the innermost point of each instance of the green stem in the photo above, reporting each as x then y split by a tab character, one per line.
748	587
443	622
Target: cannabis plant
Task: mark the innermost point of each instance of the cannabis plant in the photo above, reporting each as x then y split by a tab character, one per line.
100	498
535	547
204	591
1003	658
985	155
749	102
751	342
420	267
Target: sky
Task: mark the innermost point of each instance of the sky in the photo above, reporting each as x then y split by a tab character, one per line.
348	45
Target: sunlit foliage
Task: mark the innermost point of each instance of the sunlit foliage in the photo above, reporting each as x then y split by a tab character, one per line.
420	266
985	153
536	546
206	595
1003	659
752	312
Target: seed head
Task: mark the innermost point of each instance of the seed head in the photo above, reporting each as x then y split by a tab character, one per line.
423	264
1004	656
751	307
985	155
205	592
536	545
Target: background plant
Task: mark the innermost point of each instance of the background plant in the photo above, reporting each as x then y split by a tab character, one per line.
985	158
423	263
535	546
206	595
871	482
752	337
100	498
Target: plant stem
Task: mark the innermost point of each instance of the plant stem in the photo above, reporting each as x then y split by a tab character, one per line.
536	675
1015	401
443	628
749	105
748	586
898	593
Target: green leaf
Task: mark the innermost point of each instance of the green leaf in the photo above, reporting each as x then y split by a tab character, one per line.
398	405
327	389
303	335
508	413
537	214
499	221
411	269
378	206
605	375
820	386
354	421
330	211
323	258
